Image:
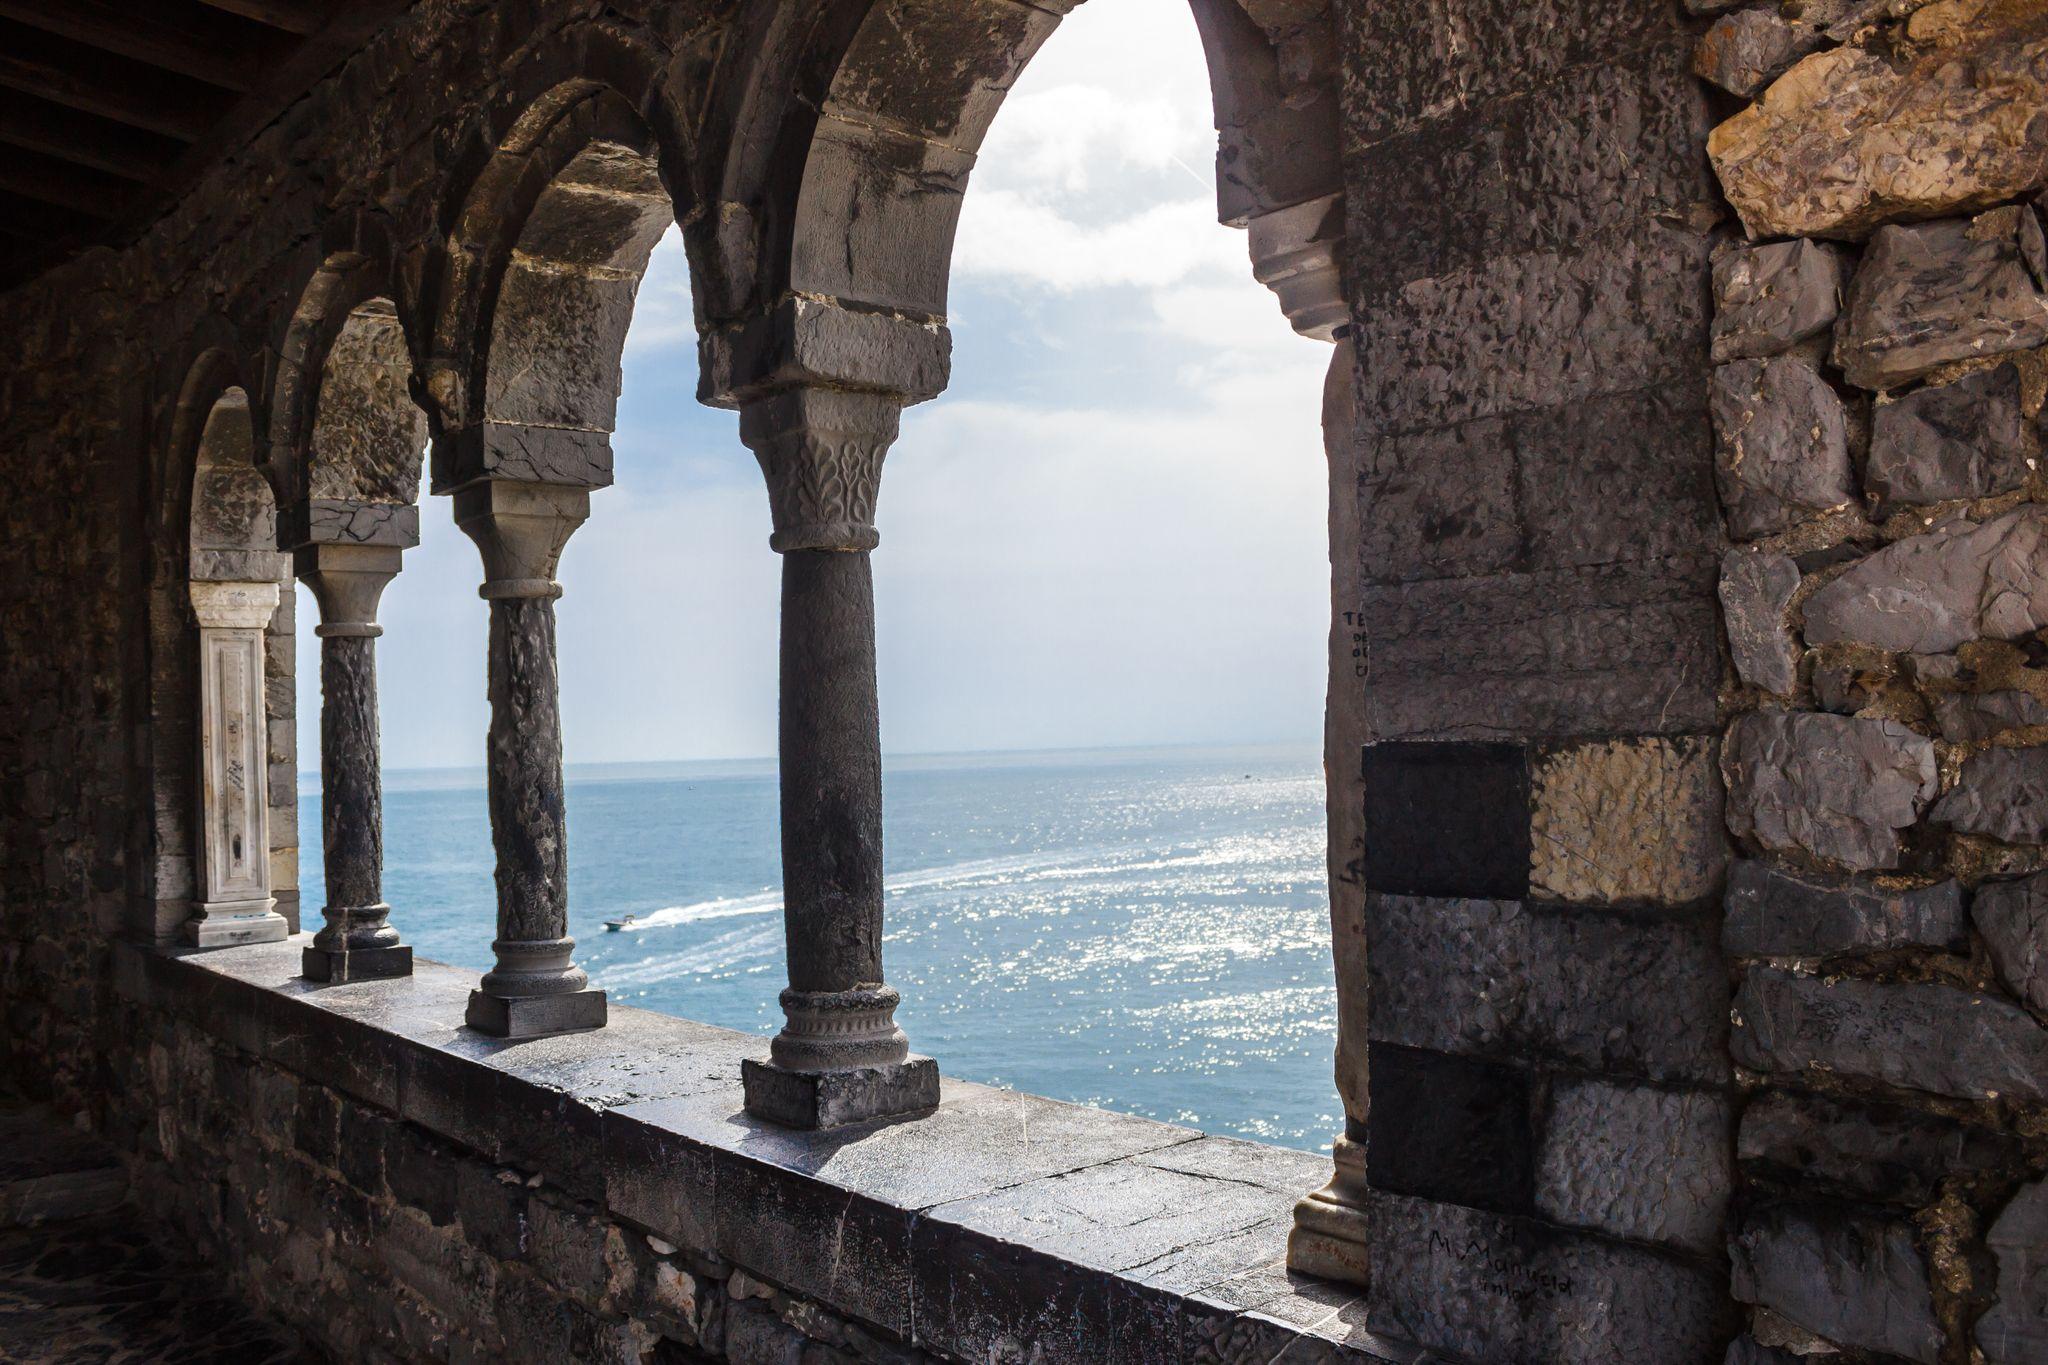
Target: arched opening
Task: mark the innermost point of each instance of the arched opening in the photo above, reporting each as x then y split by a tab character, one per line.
1102	586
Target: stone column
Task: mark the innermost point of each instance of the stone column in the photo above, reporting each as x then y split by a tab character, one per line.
535	988
1329	1234
358	941
236	905
840	1058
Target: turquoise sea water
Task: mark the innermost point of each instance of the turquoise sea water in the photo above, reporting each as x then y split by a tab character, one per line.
1143	930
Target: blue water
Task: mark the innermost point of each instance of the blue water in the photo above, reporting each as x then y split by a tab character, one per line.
1143	930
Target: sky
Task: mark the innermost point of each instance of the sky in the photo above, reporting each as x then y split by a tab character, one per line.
1110	530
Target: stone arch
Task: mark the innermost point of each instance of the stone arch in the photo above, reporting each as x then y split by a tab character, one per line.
535	287
885	105
345	432
215	595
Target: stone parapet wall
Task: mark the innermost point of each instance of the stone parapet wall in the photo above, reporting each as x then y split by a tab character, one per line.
1876	393
395	1186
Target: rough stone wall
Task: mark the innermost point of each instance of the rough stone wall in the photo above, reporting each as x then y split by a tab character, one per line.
1548	1118
381	1241
1877	389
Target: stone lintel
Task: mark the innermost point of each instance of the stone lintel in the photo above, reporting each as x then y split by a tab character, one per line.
817	342
834	1099
535	1016
979	1221
522	452
349	521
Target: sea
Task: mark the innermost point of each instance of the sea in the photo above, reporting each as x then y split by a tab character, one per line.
1145	930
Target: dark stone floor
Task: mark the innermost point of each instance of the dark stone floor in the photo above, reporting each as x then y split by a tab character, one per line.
80	1281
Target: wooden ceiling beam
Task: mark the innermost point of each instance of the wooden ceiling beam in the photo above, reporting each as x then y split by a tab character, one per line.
46	180
85	140
80	77
293	16
218	57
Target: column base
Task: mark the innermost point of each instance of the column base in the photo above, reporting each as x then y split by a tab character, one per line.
535	1016
225	925
1329	1235
833	1099
336	966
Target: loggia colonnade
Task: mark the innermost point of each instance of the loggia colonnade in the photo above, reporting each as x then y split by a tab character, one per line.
525	315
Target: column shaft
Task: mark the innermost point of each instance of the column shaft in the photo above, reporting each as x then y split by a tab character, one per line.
831	758
358	940
235	905
535	986
529	819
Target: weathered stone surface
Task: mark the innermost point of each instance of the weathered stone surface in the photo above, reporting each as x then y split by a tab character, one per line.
1968	439
1756	590
2013	918
1883	1152
1781	444
1646	1164
1747	1350
1484	1286
1917	1035
1768	299
2014	1331
1928	594
1626	820
1933	294
1774	914
1453	1129
1967	717
1615	992
1845	141
1850	1277
1745	51
1834	787
2002	793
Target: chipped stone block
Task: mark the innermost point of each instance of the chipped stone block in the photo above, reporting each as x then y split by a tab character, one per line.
1846	140
2013	918
1850	1277
1768	299
1927	594
1781	444
1756	591
1968	439
1646	1164
1933	294
2002	793
1834	787
1917	1035
1747	50
1627	820
1774	914
1883	1152
2014	1331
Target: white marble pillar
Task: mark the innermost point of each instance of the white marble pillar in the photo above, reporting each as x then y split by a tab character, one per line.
235	904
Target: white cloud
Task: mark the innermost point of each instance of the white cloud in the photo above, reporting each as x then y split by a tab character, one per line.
662	316
1008	236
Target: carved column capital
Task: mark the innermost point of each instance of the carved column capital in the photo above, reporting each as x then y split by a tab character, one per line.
347	581
821	451
234	606
1298	253
520	528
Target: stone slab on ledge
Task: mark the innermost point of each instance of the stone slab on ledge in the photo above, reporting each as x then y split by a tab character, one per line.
996	1217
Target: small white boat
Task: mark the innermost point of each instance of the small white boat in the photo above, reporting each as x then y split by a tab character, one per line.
623	922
